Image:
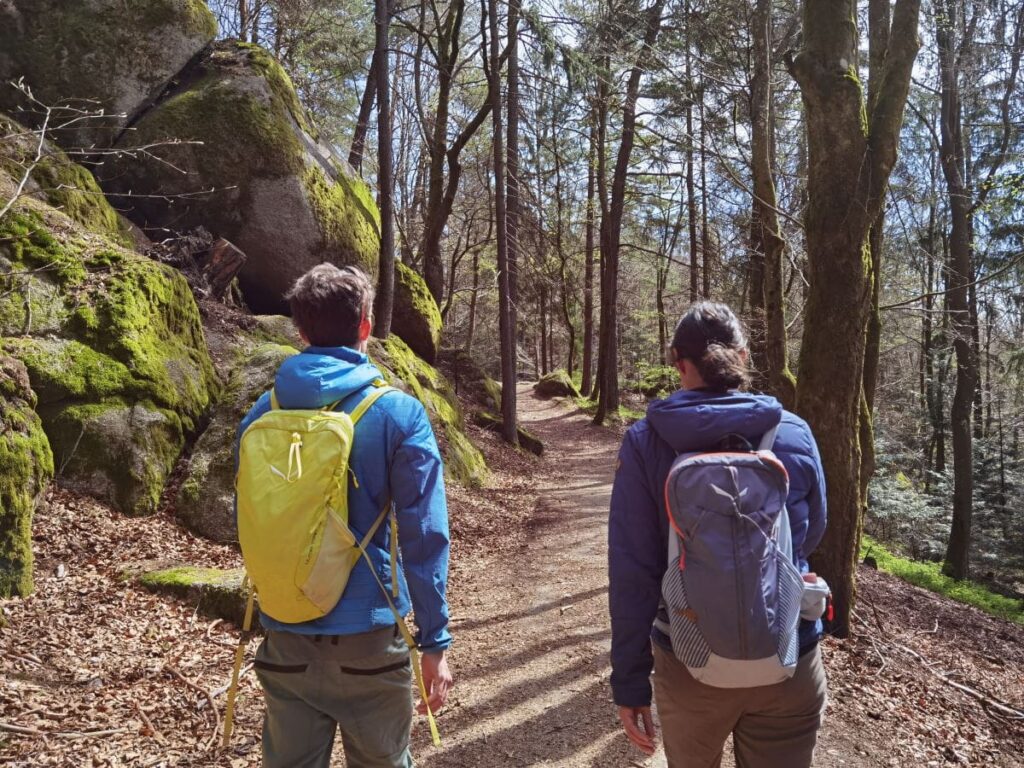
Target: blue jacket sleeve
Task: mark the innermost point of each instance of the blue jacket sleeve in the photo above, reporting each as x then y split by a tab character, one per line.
636	563
417	490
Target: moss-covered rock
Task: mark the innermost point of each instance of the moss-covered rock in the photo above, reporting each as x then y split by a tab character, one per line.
212	591
113	345
107	55
26	466
415	319
56	180
248	168
659	380
527	440
463	461
556	384
206	498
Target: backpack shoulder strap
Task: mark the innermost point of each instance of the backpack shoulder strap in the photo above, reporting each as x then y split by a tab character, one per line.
274	404
379	390
769	438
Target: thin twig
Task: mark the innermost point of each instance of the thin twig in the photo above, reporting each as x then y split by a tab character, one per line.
209	698
149	724
20	189
20	729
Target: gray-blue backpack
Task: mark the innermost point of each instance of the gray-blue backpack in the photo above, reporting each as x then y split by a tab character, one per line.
731	590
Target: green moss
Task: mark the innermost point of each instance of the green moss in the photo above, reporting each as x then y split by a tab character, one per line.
416	318
350	230
493	389
117	451
556	384
281	84
26	466
402	368
929	576
213	591
659	380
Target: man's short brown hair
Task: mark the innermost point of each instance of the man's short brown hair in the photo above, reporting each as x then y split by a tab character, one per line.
329	302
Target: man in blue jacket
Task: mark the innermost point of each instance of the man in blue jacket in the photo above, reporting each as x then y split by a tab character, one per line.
350	669
773	726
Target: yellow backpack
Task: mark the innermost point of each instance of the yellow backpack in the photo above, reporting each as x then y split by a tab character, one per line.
292	496
292	491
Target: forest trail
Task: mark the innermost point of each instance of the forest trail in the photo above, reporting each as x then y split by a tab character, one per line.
532	632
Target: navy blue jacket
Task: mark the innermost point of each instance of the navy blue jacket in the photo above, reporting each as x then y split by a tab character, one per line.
394	456
638	527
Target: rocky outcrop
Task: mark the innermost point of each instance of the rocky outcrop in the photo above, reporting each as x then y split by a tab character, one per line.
26	466
206	498
415	319
556	384
246	165
55	180
107	55
114	350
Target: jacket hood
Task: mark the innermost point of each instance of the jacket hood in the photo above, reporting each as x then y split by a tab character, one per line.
320	376
695	420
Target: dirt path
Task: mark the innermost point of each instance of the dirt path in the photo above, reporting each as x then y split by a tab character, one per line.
532	637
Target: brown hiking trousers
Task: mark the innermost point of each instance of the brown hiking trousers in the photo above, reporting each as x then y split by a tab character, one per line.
773	726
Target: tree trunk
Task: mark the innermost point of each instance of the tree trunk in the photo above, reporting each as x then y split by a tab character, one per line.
385	300
506	324
705	235
691	196
849	162
512	175
588	266
611	225
770	354
471	332
355	155
243	20
957	560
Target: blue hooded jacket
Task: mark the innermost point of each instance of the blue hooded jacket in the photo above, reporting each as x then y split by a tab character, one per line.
394	454
638	529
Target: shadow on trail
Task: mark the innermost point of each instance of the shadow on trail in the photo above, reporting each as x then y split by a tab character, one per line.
551	605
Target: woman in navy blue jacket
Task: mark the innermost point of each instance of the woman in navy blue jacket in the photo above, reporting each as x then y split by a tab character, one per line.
773	725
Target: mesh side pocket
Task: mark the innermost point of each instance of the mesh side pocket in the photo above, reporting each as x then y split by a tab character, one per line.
688	643
791	587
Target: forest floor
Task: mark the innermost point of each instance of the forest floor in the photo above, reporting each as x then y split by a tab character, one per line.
96	671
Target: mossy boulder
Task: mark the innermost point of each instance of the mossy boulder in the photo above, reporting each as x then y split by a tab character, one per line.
26	466
214	592
659	381
247	166
556	384
415	319
206	498
527	440
55	180
403	369
99	55
114	349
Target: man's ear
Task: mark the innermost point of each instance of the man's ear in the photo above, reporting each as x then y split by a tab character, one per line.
365	326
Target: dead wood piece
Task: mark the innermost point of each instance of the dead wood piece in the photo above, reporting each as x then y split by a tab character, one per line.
221	264
149	724
20	729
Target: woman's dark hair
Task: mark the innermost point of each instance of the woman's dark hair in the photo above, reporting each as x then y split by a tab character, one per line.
711	336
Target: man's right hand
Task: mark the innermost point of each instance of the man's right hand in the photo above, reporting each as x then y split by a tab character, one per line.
639	727
437	679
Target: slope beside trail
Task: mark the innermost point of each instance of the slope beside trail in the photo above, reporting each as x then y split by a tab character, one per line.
532	636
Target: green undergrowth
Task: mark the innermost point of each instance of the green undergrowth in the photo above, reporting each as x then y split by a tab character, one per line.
624	415
929	576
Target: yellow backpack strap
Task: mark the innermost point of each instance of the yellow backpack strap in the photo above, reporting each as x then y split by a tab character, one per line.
274	405
229	713
407	636
379	389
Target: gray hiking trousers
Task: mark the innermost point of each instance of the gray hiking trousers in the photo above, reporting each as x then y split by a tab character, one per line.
772	726
315	685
